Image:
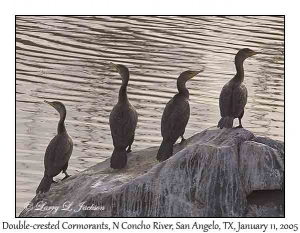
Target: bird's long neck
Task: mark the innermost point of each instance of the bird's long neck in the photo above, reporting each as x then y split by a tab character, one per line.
123	90
239	64
182	88
61	124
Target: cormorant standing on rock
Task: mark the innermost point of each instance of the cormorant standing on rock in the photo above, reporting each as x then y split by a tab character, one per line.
58	151
233	97
175	117
122	120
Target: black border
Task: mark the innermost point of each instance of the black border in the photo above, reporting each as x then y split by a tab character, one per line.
275	15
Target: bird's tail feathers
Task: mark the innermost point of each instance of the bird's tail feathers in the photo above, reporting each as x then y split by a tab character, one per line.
118	159
165	151
45	184
226	122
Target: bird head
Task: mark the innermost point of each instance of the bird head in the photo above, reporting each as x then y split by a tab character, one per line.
122	70
245	53
59	106
189	74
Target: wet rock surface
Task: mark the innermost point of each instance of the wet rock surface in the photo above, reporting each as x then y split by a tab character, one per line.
216	173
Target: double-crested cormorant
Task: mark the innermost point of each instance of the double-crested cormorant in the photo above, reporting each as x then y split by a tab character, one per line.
58	151
122	120
175	117
233	97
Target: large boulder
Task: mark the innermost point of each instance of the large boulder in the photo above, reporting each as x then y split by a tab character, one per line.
216	173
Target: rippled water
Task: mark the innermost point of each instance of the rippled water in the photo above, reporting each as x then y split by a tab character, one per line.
66	58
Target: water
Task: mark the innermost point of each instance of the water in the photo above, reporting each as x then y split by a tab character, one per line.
67	59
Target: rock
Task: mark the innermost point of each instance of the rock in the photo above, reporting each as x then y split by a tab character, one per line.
275	144
260	172
263	203
210	175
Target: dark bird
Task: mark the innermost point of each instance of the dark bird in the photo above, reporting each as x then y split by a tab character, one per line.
175	117
122	120
233	97
58	151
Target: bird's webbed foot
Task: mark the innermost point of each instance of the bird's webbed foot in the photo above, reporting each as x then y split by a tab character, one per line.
129	149
238	127
67	176
182	139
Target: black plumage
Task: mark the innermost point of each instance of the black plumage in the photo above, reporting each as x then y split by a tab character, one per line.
175	117
233	97
122	120
58	151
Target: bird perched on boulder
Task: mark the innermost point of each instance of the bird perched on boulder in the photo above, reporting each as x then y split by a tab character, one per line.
233	97
122	120
175	117
58	151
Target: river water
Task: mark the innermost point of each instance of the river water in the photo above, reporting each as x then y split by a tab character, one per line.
67	59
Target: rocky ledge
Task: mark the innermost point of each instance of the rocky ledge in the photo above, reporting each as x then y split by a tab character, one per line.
216	173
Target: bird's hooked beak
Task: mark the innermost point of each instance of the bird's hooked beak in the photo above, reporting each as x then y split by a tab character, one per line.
51	104
194	73
252	53
115	66
47	102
